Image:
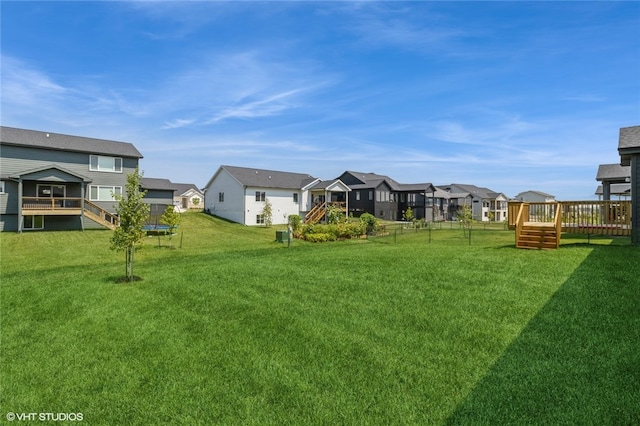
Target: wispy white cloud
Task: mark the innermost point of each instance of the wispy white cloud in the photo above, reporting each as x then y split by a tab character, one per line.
270	105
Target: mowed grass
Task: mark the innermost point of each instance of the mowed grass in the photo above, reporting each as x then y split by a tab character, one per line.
234	328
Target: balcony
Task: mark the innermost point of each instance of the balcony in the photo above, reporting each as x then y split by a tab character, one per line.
51	206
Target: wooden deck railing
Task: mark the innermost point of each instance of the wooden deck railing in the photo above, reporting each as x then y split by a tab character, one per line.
597	217
110	219
581	217
49	203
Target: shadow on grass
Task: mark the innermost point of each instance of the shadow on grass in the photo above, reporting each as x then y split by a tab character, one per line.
578	359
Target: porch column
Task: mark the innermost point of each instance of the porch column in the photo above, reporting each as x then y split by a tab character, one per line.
606	191
82	192
346	204
20	218
635	199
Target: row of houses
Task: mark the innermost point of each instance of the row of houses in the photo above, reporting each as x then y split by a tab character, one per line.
239	194
54	181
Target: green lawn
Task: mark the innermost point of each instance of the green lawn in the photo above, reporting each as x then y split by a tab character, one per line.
234	328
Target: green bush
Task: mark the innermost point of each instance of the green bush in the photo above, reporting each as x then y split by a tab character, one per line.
319	237
295	221
370	222
338	231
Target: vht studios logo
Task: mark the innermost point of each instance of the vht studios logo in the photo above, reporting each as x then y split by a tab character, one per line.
44	417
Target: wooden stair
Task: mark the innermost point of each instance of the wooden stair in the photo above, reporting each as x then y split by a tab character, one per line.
100	215
316	213
538	235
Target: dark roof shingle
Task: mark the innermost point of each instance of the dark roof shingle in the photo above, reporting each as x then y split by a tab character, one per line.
60	142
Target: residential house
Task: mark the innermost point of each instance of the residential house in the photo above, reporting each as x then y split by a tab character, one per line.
159	195
629	150
385	198
447	204
532	196
239	194
610	175
51	181
187	196
485	204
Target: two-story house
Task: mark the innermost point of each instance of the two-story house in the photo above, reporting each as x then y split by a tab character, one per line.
486	205
51	181
385	198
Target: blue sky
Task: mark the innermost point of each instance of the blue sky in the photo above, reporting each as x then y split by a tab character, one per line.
508	95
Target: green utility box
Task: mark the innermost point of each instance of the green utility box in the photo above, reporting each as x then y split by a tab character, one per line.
282	236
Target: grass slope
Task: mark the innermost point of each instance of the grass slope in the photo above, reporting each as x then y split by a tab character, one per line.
235	328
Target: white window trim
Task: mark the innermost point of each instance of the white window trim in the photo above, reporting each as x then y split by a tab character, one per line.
114	169
112	188
2	187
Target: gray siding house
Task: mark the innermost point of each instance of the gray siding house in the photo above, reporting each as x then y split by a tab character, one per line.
50	181
629	150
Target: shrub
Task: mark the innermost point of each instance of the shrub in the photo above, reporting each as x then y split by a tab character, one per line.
370	222
319	237
295	221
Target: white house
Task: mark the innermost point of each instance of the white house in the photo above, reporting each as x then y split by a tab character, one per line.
187	196
535	197
239	194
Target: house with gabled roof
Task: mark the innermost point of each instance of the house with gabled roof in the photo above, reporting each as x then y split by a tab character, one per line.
187	196
532	196
386	198
239	194
629	150
51	181
484	202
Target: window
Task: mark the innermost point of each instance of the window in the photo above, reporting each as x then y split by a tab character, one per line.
101	163
357	195
370	195
221	197
295	197
33	222
260	196
1	187
260	219
51	191
104	193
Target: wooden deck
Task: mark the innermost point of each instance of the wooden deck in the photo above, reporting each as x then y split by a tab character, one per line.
48	206
531	220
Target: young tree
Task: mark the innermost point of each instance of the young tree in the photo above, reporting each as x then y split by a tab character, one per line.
267	213
408	215
133	214
465	217
171	218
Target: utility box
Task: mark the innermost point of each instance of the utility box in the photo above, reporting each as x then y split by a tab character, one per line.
282	236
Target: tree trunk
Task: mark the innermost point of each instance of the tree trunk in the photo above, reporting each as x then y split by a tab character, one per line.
129	261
